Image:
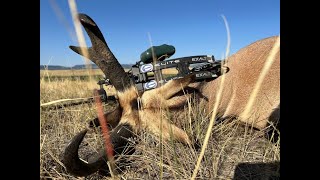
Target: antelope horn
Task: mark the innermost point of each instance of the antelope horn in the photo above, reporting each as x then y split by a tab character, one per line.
101	55
77	167
72	162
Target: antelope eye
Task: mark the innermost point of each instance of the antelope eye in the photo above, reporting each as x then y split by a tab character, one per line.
111	105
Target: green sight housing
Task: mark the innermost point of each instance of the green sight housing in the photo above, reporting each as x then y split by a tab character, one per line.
161	52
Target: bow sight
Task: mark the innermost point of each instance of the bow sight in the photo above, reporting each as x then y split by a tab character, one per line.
147	73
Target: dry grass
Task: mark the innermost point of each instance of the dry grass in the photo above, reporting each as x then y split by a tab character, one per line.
66	73
228	144
82	72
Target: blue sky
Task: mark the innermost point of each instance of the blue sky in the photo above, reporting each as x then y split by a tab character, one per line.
194	27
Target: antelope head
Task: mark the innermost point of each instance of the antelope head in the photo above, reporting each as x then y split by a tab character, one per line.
135	111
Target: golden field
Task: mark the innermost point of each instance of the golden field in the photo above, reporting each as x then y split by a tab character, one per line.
230	145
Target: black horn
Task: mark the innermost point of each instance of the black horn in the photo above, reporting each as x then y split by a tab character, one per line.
102	56
78	167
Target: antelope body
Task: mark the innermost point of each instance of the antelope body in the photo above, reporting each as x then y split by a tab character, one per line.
142	111
245	67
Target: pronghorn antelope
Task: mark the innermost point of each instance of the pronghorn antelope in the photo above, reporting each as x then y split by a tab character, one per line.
138	111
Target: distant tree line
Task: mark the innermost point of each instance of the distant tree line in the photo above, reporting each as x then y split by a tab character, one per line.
82	66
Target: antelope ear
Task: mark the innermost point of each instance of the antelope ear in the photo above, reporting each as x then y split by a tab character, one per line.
112	118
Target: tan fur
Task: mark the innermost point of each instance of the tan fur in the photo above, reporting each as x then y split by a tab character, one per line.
245	68
149	111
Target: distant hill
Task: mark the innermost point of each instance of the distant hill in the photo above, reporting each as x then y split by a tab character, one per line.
82	66
53	67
